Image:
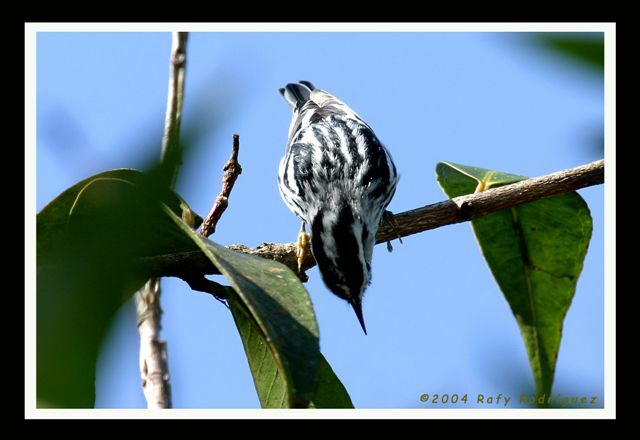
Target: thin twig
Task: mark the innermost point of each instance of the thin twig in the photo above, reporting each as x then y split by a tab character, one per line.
154	369
171	154
232	170
457	210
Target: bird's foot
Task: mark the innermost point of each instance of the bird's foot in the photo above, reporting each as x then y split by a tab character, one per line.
390	219
303	247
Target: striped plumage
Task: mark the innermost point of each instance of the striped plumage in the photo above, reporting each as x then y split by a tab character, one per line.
337	177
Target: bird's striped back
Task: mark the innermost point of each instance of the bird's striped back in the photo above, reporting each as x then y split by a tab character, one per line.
337	177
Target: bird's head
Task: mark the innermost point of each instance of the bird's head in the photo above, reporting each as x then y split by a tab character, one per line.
342	245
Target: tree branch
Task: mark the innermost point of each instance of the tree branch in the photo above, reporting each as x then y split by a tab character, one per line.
465	208
448	212
153	352
154	369
232	170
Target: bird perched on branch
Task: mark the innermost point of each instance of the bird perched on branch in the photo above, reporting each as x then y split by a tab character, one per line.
338	178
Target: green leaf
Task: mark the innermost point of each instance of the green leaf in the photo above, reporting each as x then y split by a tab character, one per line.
587	50
87	241
330	392
536	252
277	324
90	239
270	385
52	220
281	308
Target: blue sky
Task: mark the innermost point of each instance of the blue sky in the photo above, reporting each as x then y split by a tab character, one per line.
437	321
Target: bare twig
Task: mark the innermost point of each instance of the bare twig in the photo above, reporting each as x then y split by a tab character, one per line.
232	170
457	210
171	155
154	369
153	353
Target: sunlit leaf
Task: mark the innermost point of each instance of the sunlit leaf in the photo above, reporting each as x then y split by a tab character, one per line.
536	252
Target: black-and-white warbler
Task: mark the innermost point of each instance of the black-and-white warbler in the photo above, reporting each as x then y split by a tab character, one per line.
337	177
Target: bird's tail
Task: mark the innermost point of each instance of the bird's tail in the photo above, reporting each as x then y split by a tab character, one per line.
303	92
296	94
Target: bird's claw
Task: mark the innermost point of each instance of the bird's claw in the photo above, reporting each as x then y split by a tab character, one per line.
303	247
390	219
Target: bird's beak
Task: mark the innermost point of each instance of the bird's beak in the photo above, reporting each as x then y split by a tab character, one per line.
357	307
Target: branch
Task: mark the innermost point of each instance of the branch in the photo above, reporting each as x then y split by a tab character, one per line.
171	154
465	208
153	352
232	170
448	212
154	370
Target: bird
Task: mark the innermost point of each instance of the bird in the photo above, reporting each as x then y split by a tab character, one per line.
338	178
